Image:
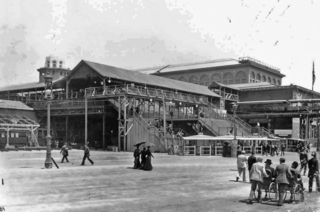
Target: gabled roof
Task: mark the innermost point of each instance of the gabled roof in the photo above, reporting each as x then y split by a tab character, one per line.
189	66
30	86
149	80
253	85
217	84
9	104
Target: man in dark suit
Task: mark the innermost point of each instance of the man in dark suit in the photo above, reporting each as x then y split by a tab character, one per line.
303	161
251	160
86	154
313	166
282	172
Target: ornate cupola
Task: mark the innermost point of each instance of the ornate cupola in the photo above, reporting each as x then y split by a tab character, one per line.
53	66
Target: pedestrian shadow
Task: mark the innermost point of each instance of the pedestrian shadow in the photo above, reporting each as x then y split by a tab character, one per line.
129	167
238	181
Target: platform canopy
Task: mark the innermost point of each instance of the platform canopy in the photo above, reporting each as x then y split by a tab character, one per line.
18	122
227	137
199	137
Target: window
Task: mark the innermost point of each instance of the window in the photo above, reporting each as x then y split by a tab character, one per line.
241	77
204	80
48	64
3	134
216	78
60	64
228	79
54	64
264	79
61	73
193	80
53	72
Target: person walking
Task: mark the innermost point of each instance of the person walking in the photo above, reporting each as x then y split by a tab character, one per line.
313	166
148	165
65	152
296	180
86	155
308	147
251	160
267	180
282	149
304	161
242	165
272	150
136	155
143	158
257	174
264	149
283	173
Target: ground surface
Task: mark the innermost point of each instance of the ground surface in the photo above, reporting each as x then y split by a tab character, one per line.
177	183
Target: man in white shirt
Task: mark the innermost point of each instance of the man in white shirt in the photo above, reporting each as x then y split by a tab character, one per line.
242	166
257	173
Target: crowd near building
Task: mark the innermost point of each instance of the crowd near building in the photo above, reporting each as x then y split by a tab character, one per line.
113	108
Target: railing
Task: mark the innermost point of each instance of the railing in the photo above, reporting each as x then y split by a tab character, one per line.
145	91
213	127
68	104
241	124
141	120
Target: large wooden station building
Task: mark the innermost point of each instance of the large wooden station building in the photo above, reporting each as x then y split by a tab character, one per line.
116	107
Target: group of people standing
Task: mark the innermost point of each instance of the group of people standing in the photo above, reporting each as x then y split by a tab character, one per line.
261	175
145	163
273	149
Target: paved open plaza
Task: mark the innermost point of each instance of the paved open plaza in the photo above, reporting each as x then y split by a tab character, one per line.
177	183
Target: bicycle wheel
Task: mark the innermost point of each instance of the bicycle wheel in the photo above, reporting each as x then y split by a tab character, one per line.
272	191
297	191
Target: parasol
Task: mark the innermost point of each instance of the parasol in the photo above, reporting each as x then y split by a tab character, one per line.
149	144
138	144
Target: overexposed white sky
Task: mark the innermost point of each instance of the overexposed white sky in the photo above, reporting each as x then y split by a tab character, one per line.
135	34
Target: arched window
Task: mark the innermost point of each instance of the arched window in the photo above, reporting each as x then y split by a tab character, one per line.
274	81
253	77
228	78
204	80
216	78
54	64
264	79
241	77
269	79
48	64
279	83
193	79
183	79
258	78
60	64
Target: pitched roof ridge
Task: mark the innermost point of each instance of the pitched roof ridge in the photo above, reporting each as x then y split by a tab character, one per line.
187	64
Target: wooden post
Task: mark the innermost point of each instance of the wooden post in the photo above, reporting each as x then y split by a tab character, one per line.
164	120
104	131
119	124
124	123
86	120
67	123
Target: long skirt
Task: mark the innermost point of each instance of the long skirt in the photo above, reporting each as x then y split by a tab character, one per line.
136	163
148	165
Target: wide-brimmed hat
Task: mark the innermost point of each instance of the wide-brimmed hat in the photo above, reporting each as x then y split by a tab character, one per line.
268	161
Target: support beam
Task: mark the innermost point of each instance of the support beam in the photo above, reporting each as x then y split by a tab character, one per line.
164	121
86	120
119	124
67	129
124	123
104	131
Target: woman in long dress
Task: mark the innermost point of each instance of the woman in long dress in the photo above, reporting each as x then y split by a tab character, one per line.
148	165
136	156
